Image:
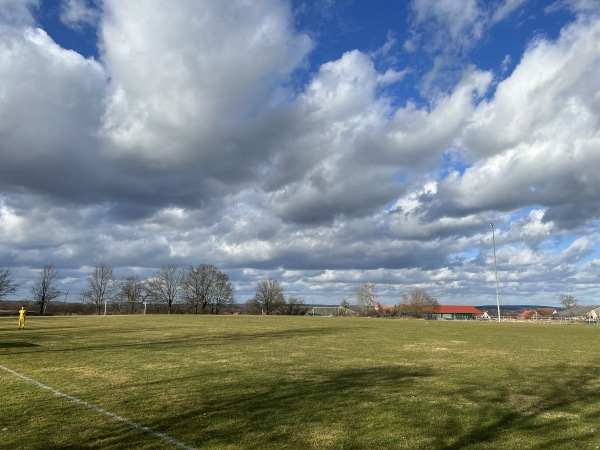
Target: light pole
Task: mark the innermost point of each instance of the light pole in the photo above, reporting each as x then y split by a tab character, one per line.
495	270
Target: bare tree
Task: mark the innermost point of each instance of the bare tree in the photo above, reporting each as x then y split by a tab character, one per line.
567	300
164	287
199	286
268	298
295	307
252	307
346	308
365	299
132	290
7	285
101	286
417	303
45	290
223	293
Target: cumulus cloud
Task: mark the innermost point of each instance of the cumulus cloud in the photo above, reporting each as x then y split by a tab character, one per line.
538	134
47	134
182	81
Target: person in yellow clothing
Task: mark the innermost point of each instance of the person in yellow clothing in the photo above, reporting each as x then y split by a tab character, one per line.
22	314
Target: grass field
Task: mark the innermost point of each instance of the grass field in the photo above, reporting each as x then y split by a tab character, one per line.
244	382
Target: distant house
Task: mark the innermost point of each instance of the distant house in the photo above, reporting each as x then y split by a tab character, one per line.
539	313
580	313
452	312
384	308
527	314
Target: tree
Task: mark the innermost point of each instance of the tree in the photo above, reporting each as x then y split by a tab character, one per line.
365	299
224	291
7	285
295	307
347	308
417	303
252	307
206	288
165	285
45	290
100	287
345	304
268	298
567	300
132	290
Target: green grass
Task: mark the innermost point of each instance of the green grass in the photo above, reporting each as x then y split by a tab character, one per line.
227	382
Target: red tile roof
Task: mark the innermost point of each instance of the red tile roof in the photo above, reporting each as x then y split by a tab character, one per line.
452	309
527	314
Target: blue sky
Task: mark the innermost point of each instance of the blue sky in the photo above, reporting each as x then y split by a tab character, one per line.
324	144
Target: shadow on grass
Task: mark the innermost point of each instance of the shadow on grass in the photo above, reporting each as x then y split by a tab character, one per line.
291	413
379	407
545	409
263	414
197	340
407	406
17	344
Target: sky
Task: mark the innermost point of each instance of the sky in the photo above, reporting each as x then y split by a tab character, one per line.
324	144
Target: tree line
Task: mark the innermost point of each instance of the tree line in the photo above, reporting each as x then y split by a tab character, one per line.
208	290
205	289
417	303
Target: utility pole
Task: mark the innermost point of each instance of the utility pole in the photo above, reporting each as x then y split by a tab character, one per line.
495	270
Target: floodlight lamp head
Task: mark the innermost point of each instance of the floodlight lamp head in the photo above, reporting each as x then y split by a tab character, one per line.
491	225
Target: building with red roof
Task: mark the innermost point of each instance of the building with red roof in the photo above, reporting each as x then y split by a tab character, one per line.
455	312
537	313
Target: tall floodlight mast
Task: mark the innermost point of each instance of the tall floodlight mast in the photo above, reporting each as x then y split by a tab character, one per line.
495	270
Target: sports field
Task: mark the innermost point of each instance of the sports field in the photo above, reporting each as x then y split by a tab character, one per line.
258	382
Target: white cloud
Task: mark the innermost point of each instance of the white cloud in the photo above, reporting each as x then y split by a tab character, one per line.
75	13
449	22
18	12
449	30
186	141
183	79
538	133
505	9
51	103
577	6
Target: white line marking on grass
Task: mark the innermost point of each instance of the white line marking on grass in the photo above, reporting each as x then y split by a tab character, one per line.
131	423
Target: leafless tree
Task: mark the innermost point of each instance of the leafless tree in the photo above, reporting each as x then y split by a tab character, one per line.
132	290
268	298
45	290
223	293
7	284
100	286
346	308
164	287
198	285
295	307
417	303
365	299
567	300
